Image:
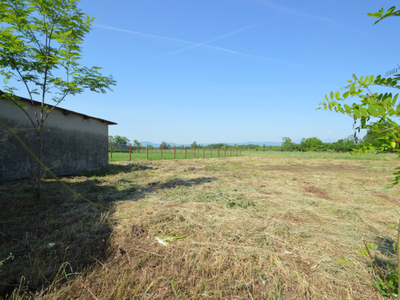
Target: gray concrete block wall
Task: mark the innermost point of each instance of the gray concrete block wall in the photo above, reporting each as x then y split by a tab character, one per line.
79	143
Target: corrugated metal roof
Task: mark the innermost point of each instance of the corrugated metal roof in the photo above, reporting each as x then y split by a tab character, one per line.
63	109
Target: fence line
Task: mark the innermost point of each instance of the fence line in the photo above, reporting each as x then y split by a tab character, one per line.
167	153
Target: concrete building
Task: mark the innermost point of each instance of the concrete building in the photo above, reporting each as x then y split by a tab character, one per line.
78	141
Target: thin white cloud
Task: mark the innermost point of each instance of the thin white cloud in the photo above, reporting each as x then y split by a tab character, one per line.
288	10
301	13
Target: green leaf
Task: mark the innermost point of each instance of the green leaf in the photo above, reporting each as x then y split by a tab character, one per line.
337	95
364	111
371	79
387	100
345	95
377	14
381	110
348	108
326	97
372	109
395	98
332	95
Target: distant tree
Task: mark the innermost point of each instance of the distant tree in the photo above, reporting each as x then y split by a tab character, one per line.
137	145
120	141
193	145
311	144
217	145
111	139
288	145
373	135
343	145
165	145
252	146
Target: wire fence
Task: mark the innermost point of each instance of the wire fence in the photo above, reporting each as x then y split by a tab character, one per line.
128	153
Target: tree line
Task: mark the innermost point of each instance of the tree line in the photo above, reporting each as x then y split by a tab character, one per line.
310	144
315	144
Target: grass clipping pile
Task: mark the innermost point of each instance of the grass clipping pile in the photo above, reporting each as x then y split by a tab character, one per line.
242	228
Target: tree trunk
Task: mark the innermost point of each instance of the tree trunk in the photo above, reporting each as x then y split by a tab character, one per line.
32	170
39	168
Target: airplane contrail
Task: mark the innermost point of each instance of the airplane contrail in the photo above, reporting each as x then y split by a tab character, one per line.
196	45
153	36
207	42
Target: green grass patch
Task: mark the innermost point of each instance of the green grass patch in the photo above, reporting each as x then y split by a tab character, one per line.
180	154
169	154
324	155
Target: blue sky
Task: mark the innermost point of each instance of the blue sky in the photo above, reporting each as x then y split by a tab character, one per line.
230	70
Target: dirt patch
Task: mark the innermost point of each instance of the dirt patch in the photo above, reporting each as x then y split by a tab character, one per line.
321	193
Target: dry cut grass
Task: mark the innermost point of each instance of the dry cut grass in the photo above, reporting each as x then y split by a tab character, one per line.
234	228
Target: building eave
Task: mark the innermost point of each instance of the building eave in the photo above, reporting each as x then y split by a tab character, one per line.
64	111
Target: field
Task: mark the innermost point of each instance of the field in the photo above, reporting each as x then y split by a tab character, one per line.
169	154
250	227
124	156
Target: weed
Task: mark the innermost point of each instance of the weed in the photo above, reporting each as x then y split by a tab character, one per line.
392	282
387	284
